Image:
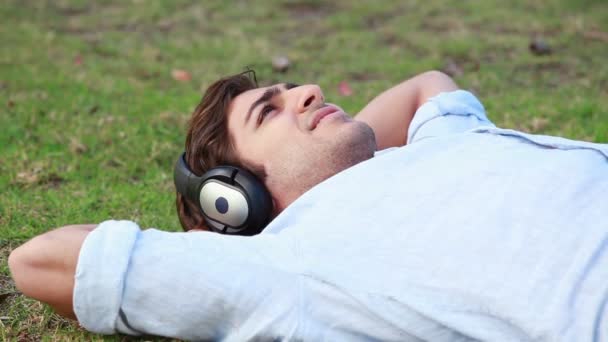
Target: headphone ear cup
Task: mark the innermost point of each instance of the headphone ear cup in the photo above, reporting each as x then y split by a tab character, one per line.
234	201
259	199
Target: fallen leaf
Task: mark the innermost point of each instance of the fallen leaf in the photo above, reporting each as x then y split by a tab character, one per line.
106	120
115	162
280	63
77	147
538	124
453	69
27	177
540	47
181	75
344	89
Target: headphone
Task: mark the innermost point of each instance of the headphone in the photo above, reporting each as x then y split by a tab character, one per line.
232	200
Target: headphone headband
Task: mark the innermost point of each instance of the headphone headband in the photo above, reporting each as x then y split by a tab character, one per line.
186	181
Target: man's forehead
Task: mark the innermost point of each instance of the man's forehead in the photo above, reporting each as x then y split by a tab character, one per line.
241	103
253	94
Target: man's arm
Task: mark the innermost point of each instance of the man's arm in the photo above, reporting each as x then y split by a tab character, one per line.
390	113
43	268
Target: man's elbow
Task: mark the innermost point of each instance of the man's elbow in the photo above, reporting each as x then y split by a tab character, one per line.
23	264
46	257
439	79
436	74
44	267
434	82
17	264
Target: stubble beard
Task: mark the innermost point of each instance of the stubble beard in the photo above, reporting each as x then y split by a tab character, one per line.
303	167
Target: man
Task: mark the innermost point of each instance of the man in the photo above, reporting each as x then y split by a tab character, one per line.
258	142
469	232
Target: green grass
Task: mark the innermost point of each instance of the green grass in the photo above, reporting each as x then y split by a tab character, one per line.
91	119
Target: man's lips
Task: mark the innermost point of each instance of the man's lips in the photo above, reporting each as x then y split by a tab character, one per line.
320	114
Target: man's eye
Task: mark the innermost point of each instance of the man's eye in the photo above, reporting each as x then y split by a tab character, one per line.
265	111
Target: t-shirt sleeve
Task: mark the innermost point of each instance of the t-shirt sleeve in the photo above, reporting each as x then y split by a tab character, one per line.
447	113
194	286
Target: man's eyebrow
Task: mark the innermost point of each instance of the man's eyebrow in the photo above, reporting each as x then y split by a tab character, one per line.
268	94
291	85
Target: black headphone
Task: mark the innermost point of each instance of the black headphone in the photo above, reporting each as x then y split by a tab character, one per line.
233	201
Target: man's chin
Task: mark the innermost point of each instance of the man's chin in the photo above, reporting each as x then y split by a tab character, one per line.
359	145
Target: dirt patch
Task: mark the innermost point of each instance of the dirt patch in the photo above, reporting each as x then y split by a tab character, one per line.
545	67
457	66
362	76
395	41
445	25
36	177
596	35
7	298
551	73
7	286
69	11
377	20
308	9
52	180
91	31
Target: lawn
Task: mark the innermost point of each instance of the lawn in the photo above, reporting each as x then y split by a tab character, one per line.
95	96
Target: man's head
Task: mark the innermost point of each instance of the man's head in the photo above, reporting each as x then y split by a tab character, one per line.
285	134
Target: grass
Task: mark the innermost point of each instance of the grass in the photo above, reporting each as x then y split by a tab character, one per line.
91	119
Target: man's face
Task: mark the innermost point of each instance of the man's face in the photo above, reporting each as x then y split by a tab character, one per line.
296	137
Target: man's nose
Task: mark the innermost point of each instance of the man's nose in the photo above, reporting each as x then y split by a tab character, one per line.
310	97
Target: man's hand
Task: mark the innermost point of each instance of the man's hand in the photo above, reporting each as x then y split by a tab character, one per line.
390	113
44	267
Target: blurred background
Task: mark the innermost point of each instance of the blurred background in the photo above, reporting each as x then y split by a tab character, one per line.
95	95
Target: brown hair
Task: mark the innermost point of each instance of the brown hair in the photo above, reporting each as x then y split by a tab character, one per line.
208	142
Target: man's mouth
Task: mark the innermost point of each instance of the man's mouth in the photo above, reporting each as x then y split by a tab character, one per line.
320	113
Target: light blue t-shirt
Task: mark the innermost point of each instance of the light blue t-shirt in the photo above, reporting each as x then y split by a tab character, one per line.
469	232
